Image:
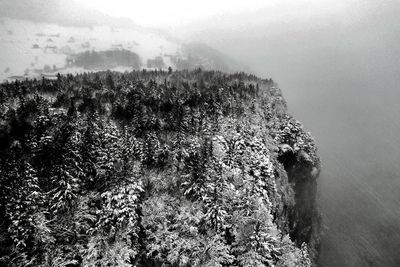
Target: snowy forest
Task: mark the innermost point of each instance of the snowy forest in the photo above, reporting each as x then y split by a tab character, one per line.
154	168
106	59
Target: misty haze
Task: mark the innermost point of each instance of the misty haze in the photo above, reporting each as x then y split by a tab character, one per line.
199	133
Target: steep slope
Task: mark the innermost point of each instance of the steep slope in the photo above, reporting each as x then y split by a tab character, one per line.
151	168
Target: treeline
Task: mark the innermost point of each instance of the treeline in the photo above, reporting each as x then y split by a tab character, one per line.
157	63
147	168
106	59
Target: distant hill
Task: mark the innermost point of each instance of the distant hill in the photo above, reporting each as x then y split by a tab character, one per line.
213	58
65	13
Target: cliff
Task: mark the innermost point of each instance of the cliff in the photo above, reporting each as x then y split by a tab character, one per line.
151	168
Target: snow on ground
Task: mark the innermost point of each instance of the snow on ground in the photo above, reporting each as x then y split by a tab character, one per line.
31	49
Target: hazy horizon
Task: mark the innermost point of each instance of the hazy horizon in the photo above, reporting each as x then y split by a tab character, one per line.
175	13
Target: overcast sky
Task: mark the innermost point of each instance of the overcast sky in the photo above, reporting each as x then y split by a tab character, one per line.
172	13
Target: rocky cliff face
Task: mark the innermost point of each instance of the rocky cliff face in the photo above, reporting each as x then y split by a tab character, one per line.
303	217
299	169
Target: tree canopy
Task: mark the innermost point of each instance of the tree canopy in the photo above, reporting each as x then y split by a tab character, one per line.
148	168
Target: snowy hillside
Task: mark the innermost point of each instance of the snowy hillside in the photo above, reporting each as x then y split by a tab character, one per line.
34	49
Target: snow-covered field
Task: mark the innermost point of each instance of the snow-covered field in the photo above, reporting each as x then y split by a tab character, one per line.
31	49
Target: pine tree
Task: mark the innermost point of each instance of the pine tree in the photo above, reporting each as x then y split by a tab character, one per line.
90	149
67	175
115	240
28	227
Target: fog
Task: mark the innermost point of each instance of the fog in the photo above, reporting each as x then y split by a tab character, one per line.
338	65
340	73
